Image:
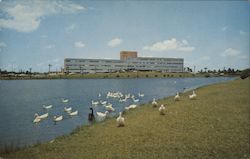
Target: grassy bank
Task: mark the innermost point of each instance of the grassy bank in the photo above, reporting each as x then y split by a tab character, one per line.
216	125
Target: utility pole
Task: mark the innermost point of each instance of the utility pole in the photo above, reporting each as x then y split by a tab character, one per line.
194	68
49	67
30	71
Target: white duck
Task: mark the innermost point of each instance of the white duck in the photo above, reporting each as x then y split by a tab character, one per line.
102	115
123	100
162	110
192	96
120	120
177	97
133	106
47	106
94	103
36	120
65	100
103	102
73	113
140	95
154	103
67	109
56	119
42	116
136	100
109	108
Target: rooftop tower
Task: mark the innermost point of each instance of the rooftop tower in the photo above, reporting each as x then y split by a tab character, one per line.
124	55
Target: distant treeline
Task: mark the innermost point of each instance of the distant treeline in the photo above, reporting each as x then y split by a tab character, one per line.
186	69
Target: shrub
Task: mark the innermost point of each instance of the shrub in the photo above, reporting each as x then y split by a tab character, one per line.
245	73
207	75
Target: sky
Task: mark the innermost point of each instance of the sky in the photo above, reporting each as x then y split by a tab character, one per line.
211	34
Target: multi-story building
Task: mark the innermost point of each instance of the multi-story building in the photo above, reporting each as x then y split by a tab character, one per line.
128	61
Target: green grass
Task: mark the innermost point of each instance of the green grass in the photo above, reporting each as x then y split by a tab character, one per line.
216	125
147	74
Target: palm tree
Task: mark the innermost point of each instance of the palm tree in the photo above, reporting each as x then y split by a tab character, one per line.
205	69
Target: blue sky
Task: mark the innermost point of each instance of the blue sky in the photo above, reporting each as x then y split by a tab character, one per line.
205	33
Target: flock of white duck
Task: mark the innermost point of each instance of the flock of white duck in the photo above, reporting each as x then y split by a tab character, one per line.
120	97
39	118
176	98
108	107
101	115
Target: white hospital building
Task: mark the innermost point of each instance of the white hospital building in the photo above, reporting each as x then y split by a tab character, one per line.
128	61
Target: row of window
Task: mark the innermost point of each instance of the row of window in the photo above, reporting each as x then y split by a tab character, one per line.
82	66
132	60
99	70
119	67
158	59
92	61
136	63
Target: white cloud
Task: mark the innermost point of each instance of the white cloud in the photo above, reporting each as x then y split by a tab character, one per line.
224	28
70	28
185	42
79	44
114	42
2	44
25	16
242	32
51	46
230	52
170	45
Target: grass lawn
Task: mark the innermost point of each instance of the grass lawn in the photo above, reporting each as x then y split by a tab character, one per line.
139	74
215	125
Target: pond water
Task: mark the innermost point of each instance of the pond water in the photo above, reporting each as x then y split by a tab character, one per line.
21	99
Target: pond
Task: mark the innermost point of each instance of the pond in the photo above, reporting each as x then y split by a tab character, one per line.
21	99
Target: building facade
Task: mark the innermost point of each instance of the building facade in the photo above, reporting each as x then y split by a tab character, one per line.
127	63
124	55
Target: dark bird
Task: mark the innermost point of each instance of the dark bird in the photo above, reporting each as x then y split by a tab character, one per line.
91	115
